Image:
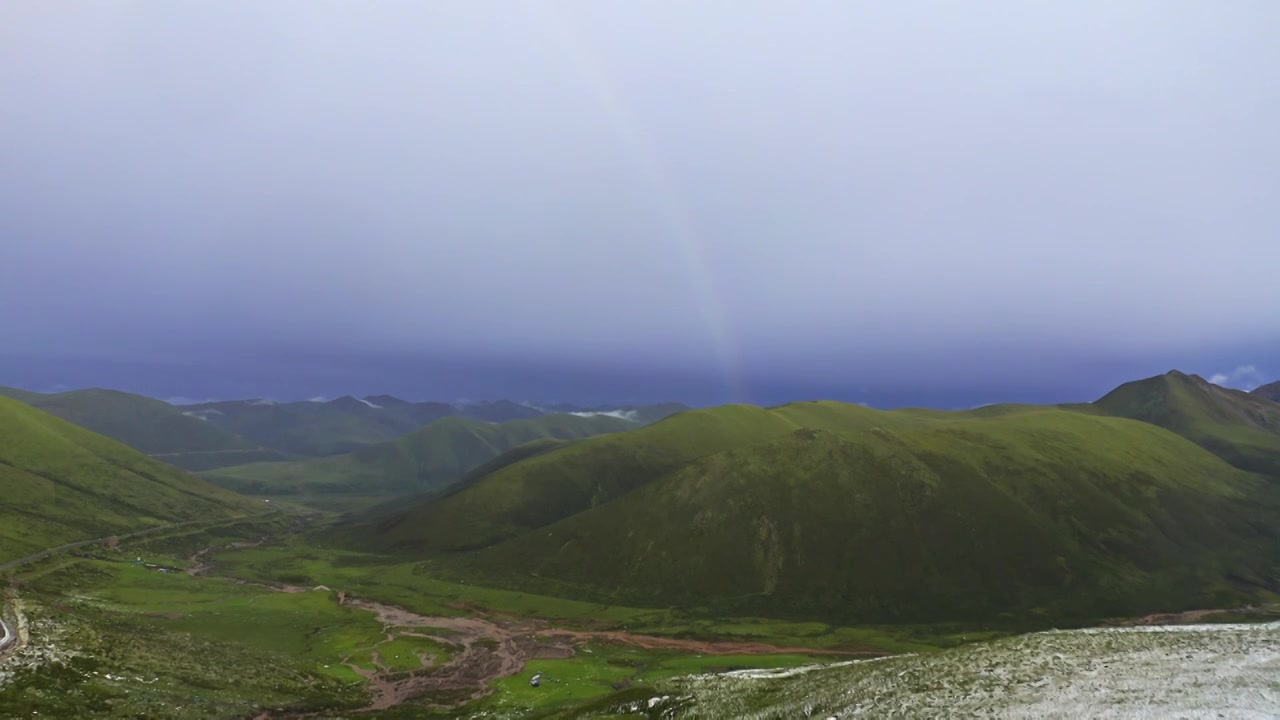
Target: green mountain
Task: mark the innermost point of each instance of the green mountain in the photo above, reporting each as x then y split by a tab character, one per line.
1241	428
538	491
1270	392
428	458
347	424
312	428
845	513
60	483
148	425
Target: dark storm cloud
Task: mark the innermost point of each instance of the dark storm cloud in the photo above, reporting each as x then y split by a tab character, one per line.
715	199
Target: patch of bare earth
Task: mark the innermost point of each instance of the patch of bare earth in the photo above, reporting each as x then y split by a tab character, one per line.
491	649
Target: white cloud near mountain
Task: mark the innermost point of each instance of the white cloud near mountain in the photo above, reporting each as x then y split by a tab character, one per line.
1245	377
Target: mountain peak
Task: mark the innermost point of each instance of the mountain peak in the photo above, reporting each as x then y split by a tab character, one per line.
354	403
1270	391
1179	375
385	400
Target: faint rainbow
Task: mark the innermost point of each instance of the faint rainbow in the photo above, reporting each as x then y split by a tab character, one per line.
643	154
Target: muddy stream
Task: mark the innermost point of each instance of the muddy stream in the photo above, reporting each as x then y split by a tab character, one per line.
487	647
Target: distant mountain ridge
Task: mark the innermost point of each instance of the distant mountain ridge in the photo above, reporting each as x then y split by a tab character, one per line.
426	459
346	424
210	435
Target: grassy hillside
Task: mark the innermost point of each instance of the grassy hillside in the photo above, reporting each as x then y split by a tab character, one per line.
151	426
428	458
843	512
60	483
1052	513
554	485
1239	427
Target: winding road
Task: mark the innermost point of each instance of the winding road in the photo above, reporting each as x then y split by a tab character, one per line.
119	537
6	638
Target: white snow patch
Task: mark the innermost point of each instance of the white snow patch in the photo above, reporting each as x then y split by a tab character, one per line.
372	405
631	415
1189	671
202	414
1201	628
775	673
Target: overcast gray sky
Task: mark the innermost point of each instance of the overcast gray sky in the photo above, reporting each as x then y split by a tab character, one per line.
760	199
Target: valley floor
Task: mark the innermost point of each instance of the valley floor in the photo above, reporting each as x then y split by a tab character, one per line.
251	621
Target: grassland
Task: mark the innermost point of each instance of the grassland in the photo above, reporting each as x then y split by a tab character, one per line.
115	638
417	587
111	638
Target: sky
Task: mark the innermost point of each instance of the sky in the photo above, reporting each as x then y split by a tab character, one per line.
925	203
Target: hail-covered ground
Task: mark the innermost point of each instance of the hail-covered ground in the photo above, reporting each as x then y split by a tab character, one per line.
1185	671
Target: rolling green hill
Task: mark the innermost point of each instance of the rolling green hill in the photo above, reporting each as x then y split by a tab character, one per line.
60	483
1239	427
845	513
151	426
553	485
428	458
1054	513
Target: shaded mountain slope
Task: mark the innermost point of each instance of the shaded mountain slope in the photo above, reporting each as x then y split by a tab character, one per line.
60	483
1270	392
